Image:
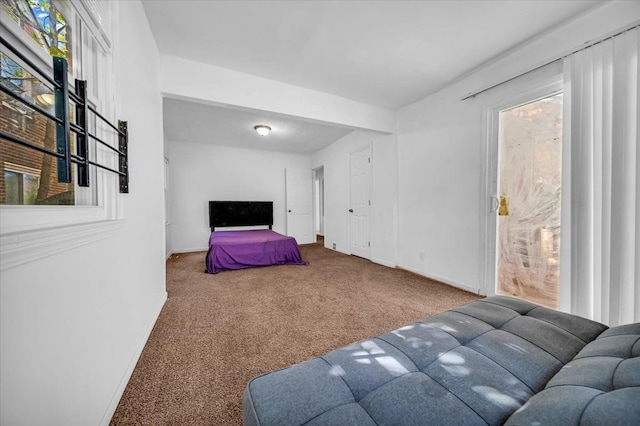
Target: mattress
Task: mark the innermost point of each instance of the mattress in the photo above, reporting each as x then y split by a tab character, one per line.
248	249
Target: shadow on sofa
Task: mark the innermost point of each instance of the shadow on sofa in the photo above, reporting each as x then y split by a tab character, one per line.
494	361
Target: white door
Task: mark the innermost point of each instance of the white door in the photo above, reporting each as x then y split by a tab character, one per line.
360	202
299	190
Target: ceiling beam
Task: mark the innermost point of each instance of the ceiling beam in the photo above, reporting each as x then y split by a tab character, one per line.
203	83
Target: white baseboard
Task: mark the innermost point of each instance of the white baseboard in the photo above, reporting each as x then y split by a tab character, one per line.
115	400
189	250
446	281
383	262
338	249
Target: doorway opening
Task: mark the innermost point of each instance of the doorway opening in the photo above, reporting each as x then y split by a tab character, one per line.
318	204
530	188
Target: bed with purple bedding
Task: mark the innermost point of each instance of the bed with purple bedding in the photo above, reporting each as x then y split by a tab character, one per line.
230	250
248	249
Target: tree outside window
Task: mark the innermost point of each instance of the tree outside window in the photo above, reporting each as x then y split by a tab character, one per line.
44	23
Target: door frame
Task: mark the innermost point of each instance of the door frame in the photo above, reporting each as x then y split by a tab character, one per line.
489	181
369	148
321	206
288	207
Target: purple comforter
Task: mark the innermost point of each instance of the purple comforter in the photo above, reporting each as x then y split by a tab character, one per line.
247	249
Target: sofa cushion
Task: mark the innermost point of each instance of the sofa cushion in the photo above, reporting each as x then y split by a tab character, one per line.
601	385
523	359
408	400
475	364
348	414
367	365
560	343
618	407
485	386
312	387
422	343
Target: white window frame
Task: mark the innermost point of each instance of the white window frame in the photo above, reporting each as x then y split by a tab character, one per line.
28	233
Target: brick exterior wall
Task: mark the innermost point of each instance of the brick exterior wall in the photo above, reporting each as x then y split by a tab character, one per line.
33	130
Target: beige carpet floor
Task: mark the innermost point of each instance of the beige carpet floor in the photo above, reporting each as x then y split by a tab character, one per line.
216	332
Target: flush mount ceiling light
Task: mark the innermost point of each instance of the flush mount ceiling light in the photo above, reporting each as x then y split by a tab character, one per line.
262	129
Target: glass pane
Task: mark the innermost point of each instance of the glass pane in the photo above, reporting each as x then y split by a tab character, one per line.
43	21
530	184
12	184
20	81
38	178
30	185
21	121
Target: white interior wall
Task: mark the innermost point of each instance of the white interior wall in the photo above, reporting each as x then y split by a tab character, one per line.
73	324
441	148
335	159
439	166
203	172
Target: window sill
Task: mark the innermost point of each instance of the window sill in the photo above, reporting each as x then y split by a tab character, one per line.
19	248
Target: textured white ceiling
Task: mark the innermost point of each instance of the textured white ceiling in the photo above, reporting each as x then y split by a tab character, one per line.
193	122
385	53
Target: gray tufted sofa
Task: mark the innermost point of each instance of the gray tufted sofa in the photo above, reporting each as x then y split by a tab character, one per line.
494	361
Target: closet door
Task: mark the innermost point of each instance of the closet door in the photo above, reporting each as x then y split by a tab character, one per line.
360	203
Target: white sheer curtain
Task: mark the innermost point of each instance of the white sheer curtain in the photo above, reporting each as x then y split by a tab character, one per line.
600	276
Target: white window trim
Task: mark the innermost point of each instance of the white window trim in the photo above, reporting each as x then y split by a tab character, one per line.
24	247
28	233
17	168
90	15
17	36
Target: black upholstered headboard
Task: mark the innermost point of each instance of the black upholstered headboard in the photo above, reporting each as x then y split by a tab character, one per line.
240	213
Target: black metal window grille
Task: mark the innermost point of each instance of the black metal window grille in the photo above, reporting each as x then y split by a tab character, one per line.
64	126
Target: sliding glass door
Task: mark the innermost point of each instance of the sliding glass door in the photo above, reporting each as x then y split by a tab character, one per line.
529	188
